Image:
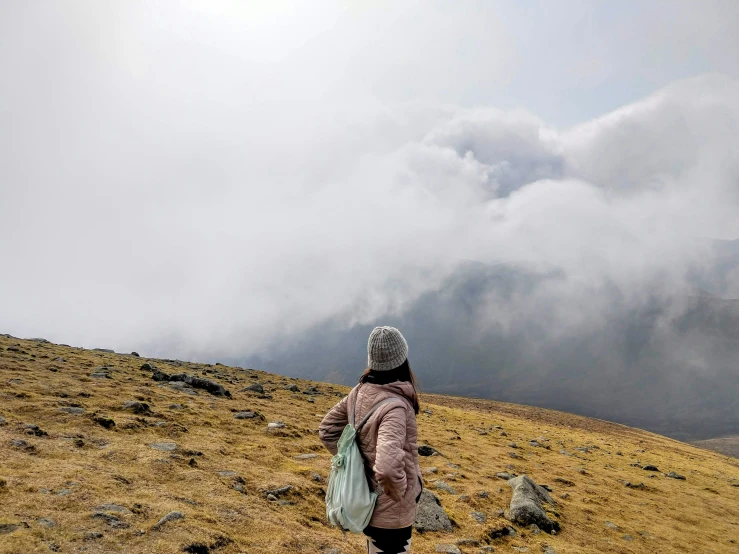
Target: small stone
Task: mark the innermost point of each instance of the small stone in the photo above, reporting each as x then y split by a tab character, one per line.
64	492
565	496
271	498
171	516
279	491
635	485
46	522
504	475
275	425
113	508
163	446
677	476
140	408
292	388
72	410
93	535
431	470
106	422
176	407
426	450
245	415
479	517
441	485
467	542
113	521
306	456
3	423
650	468
430	515
316	477
227	473
448	549
482	494
627	538
534	528
610	525
546	549
256	387
7	528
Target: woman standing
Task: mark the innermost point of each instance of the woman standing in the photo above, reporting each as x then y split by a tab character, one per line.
387	441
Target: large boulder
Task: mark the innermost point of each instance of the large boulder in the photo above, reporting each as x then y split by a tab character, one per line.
430	515
527	504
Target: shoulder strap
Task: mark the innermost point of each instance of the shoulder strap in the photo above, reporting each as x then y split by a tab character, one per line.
373	409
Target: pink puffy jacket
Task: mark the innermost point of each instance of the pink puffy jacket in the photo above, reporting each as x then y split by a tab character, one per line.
389	443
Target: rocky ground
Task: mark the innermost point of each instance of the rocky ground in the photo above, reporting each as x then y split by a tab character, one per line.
103	452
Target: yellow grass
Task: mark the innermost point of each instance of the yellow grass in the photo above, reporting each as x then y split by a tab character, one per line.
117	466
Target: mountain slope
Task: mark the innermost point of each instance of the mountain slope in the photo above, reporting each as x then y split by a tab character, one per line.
76	483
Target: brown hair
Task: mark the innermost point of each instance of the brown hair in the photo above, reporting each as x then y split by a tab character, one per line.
401	373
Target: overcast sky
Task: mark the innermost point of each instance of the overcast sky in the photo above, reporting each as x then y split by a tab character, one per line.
212	176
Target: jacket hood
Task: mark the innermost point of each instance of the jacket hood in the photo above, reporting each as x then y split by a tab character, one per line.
399	388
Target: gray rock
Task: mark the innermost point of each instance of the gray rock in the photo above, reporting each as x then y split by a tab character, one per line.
431	470
677	476
7	528
113	521
312	390
171	516
430	515
292	388
279	491
63	492
246	415
256	387
546	549
504	475
275	425
520	548
448	549
93	535
316	477
479	517
3	423
106	350
140	408
467	542
59	360
164	446
306	456
534	528
610	525
227	473
426	450
650	468
635	485
113	508
46	522
526	504
627	538
442	486
176	407
72	410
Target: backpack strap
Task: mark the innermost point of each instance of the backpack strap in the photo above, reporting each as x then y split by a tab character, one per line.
373	409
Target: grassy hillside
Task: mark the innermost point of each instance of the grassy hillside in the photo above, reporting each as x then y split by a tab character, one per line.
723	445
78	483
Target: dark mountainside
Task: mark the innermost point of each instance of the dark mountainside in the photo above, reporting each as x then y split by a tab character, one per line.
663	361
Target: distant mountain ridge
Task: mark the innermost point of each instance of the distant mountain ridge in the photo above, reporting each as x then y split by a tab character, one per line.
667	361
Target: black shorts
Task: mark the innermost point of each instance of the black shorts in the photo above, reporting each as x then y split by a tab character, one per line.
388	541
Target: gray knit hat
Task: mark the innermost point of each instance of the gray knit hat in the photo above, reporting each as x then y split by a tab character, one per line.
386	349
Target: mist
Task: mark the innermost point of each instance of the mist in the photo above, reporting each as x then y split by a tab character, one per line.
220	182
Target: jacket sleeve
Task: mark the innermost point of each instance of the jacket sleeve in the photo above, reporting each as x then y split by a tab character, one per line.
333	425
389	461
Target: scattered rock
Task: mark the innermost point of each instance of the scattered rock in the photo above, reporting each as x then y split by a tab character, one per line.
635	485
63	492
212	387
312	390
306	456
59	360
442	486
426	450
275	425
650	468
316	477
113	508
3	422
613	526
430	515
279	491
227	473
677	476
33	429
23	445
430	470
526	504
106	350
448	549
135	354
93	535
113	521
256	387
72	410
176	407
106	422
504	475
247	415
505	531
565	482
479	517
546	549
534	528
140	408
467	542
7	528
164	446
46	522
627	538
292	388
171	516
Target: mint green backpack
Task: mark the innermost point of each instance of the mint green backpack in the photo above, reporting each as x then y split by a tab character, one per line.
349	500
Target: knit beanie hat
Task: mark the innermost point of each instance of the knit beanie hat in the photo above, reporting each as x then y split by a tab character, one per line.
386	349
